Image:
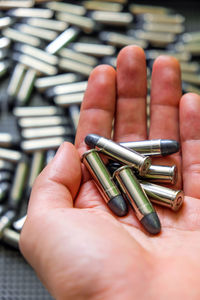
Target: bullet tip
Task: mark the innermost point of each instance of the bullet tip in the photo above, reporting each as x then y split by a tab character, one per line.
91	140
151	223
118	206
169	147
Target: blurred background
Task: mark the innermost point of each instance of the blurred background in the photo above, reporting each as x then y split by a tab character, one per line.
47	51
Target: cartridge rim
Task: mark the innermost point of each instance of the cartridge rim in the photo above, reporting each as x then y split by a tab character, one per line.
88	152
178	201
116	172
144	167
174	174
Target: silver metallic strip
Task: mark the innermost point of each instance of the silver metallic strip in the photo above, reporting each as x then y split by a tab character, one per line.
44	34
191	78
181	56
102	5
192	66
63	39
35	64
8	4
47	24
37	53
67	7
149	147
70	54
112	18
68	88
5	21
16	80
142	9
163	18
73	66
188	37
85	23
44	83
165	174
18	36
36	111
26	87
37	164
31	12
45	132
4	66
93	49
155	38
34	122
74	112
11	237
160	27
10	155
118	39
69	99
4	43
41	144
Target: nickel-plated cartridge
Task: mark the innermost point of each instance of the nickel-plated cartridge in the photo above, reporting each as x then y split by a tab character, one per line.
74	66
47	24
163	18
163	196
138	199
44	34
69	99
9	140
16	80
143	9
102	6
39	122
4	43
30	146
28	111
93	49
37	164
10	155
120	153
160	27
74	112
104	182
4	189
37	53
191	37
165	174
67	89
5	21
8	4
11	237
44	83
112	18
84	23
45	132
79	57
31	12
26	87
119	39
67	8
6	166
156	39
6	220
159	147
4	66
63	39
21	37
181	56
191	78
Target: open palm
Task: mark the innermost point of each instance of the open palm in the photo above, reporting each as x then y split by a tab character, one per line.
78	248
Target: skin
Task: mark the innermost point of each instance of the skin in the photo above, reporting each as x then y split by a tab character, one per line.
78	248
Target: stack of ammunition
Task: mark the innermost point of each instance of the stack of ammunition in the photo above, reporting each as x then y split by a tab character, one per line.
47	52
130	175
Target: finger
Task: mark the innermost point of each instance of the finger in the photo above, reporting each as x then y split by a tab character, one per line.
98	106
58	183
130	118
190	137
165	98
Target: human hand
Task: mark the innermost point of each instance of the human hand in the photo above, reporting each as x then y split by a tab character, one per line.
78	248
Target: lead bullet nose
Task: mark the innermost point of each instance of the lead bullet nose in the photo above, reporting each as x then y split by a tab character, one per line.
91	140
151	223
169	147
118	206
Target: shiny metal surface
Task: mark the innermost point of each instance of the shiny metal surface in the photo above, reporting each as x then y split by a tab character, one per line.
4	66
163	18
26	87
148	147
6	220
31	12
45	132
11	237
74	66
118	39
6	165
37	53
33	111
67	7
165	174
102	6
37	163
189	37
155	38
84	23
181	56
63	39
190	67
55	25
100	174
41	144
8	4
44	34
142	9
10	155
93	49
160	27
5	139
79	57
133	191
16	80
18	184
124	155
67	88
44	83
69	99
112	18
38	122
4	43
36	64
21	37
191	78
5	21
163	196
74	112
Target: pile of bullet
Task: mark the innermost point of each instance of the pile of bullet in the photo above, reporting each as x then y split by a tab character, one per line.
47	52
131	170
